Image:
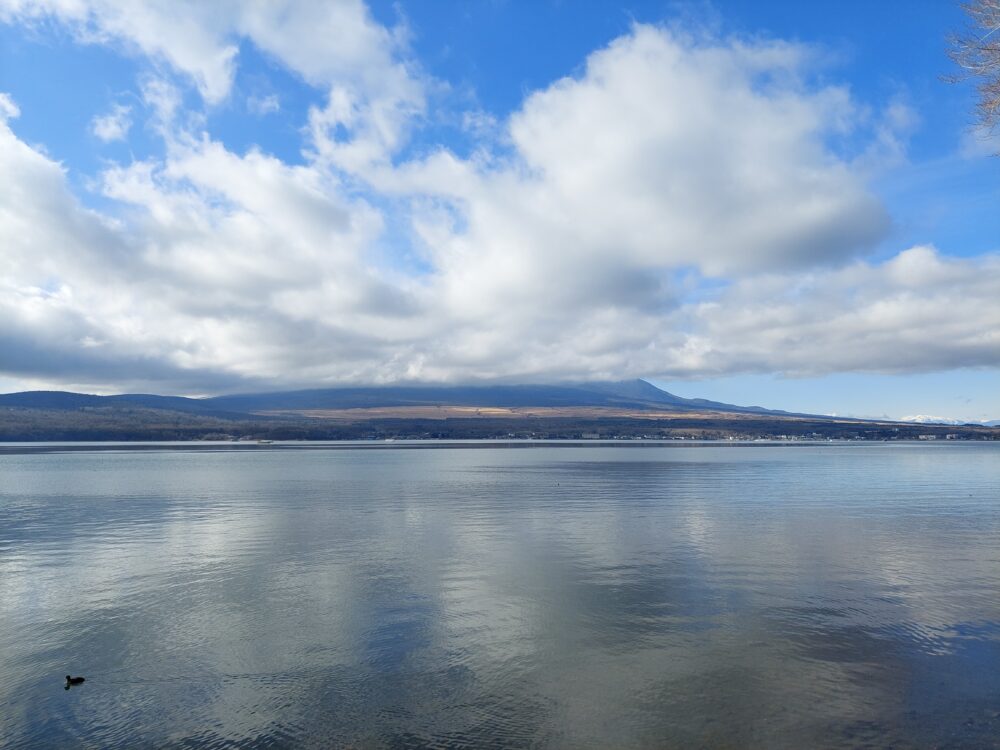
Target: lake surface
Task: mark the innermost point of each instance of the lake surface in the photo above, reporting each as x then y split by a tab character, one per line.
574	597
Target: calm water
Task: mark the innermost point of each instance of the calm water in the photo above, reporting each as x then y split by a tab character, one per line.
706	596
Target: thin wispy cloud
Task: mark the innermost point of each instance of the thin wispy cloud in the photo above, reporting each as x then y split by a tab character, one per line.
264	105
113	126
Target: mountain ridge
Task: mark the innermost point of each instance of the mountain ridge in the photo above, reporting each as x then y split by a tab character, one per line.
635	394
629	409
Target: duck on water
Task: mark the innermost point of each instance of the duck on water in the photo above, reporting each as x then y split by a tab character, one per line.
74	681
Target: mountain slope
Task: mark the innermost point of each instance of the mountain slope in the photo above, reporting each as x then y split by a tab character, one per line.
63	400
645	392
633	394
636	394
626	409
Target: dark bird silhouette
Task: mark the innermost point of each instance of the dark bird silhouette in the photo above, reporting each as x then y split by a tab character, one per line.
74	681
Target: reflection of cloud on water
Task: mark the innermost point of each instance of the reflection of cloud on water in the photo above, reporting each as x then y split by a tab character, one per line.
622	599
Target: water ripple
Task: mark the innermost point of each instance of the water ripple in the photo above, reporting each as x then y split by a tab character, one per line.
695	596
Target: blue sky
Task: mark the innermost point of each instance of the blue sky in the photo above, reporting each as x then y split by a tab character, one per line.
773	203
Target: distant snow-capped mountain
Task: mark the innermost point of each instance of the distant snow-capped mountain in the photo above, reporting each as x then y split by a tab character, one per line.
928	419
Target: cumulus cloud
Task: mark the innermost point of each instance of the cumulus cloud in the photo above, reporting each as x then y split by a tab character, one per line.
113	126
190	36
663	138
226	269
67	303
919	311
674	210
667	153
372	86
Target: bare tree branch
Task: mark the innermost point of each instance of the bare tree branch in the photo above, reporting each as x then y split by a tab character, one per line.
977	51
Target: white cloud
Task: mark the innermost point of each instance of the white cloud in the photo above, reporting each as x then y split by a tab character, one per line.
979	142
263	105
666	153
372	86
892	130
190	36
8	109
675	210
163	99
920	311
113	126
